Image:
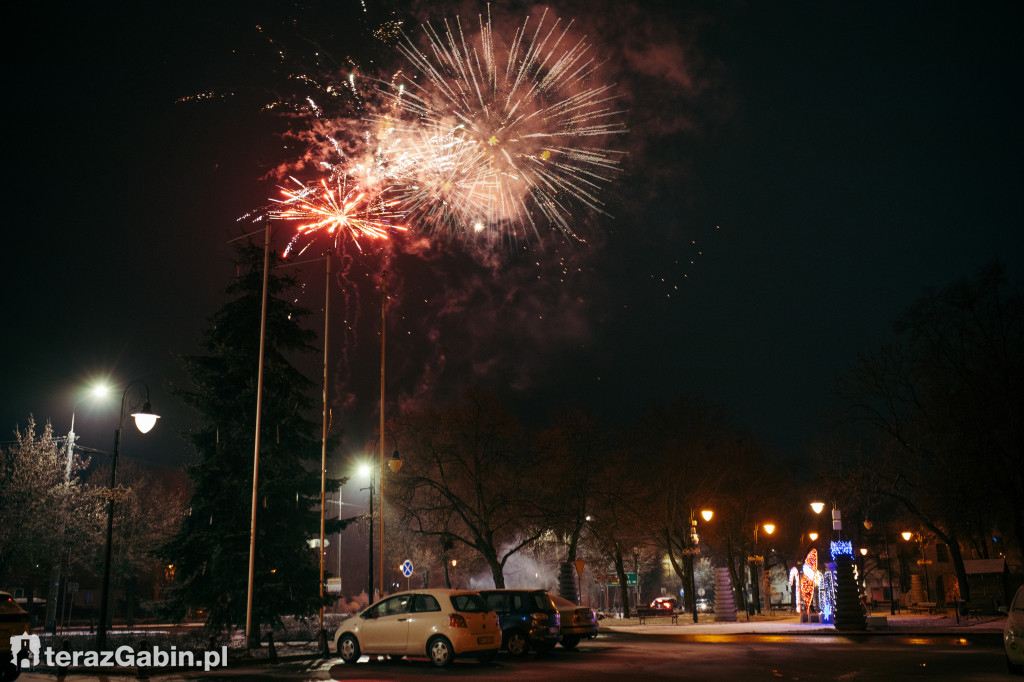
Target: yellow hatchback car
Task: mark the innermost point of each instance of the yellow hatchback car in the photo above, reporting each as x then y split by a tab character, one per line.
440	624
14	621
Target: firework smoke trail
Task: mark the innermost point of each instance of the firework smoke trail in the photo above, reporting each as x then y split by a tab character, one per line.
487	143
337	211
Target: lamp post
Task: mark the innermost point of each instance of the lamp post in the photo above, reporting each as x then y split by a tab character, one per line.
768	528
394	464
906	535
888	570
97	391
690	551
145	420
754	573
368	469
55	574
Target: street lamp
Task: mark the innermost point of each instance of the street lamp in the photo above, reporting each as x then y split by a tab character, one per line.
367	470
96	391
754	559
906	535
135	394
768	528
394	464
694	548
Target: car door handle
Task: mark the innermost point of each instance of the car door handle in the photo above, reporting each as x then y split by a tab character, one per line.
402	620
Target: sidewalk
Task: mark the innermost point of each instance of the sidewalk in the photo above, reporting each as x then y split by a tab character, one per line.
880	622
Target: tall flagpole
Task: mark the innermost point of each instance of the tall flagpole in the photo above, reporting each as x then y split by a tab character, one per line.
383	327
323	447
252	639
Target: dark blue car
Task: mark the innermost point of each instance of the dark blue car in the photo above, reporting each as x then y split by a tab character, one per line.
529	619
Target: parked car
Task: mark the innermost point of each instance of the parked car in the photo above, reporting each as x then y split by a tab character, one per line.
576	622
705	606
1013	633
664	604
529	619
14	621
440	624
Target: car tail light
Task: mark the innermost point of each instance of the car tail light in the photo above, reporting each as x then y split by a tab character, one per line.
456	620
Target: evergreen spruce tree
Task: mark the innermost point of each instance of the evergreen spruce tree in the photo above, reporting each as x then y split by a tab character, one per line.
210	553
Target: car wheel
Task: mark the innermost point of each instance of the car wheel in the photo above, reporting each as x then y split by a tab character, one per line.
486	656
439	649
348	649
570	641
517	644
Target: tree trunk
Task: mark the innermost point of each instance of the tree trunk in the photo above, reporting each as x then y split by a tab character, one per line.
620	568
961	572
497	570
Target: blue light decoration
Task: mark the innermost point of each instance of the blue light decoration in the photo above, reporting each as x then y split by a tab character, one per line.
838	547
827	594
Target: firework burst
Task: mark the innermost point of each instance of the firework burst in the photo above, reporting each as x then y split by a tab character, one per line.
488	141
338	211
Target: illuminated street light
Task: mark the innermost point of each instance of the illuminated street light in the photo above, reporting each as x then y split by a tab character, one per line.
690	551
813	536
367	470
817	507
394	464
145	420
754	559
97	391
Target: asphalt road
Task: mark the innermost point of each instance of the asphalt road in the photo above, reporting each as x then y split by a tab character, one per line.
645	657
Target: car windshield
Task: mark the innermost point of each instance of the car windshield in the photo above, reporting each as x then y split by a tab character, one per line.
469	603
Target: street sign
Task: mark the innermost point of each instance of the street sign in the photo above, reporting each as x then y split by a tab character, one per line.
406	568
579	566
630	581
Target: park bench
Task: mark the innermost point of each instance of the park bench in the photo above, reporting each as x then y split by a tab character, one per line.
644	614
924	607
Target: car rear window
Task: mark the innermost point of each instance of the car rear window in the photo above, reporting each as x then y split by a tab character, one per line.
542	602
469	603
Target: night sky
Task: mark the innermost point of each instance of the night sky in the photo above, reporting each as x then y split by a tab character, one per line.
796	175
